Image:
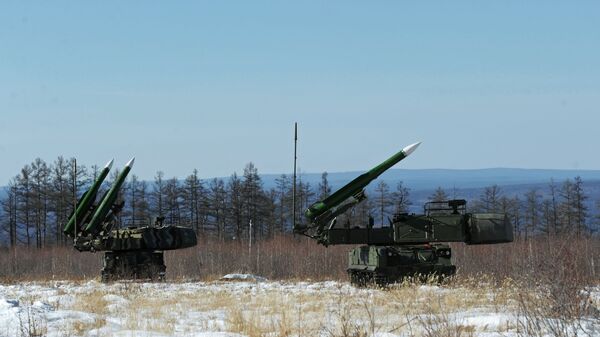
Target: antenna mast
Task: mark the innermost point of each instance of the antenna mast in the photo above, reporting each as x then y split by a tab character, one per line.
294	177
75	198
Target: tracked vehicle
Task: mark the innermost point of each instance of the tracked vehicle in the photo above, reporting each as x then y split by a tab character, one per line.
410	245
132	253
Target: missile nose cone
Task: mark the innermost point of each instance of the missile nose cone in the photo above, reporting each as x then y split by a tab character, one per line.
109	164
130	162
411	148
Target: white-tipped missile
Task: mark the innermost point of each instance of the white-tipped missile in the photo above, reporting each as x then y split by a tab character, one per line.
82	208
108	201
411	148
109	164
357	185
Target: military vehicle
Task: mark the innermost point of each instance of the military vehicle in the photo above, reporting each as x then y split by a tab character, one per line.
410	245
135	252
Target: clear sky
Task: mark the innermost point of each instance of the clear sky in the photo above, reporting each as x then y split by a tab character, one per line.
214	85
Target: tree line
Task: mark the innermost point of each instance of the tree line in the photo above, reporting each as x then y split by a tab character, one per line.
559	209
40	198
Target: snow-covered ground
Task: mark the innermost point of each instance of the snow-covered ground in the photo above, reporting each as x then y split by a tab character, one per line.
251	308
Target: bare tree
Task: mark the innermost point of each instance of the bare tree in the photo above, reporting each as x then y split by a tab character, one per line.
490	197
382	201
400	198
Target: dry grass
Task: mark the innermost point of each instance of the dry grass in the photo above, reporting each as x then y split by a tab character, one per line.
295	258
542	281
311	309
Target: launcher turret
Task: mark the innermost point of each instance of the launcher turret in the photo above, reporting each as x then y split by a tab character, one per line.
411	244
132	252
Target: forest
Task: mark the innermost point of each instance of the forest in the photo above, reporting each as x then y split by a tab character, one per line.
40	198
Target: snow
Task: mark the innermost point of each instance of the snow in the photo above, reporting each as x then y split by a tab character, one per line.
232	309
243	277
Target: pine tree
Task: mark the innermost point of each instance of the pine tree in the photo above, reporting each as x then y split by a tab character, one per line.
40	174
253	201
193	195
438	195
579	207
158	195
24	197
61	197
532	203
142	206
566	210
324	189
553	218
283	192
9	210
305	197
133	188
173	201
217	201
546	217
516	215
77	182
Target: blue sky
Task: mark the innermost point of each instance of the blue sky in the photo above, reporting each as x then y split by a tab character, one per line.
214	85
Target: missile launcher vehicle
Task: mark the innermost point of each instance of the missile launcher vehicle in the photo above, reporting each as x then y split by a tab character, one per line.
132	253
410	245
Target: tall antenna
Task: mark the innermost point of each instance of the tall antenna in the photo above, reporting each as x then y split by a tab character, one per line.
294	177
75	198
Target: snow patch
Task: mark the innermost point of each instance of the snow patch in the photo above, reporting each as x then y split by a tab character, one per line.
217	334
243	277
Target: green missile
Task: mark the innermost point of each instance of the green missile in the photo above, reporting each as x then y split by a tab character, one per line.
109	200
357	185
82	208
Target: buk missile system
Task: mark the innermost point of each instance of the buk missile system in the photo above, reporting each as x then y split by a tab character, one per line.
411	245
134	253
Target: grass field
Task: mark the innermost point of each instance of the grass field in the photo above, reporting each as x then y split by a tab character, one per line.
470	307
542	287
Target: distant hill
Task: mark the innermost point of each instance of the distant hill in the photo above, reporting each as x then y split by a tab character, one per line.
430	179
467	184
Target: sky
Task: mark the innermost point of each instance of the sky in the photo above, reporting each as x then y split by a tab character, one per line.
214	85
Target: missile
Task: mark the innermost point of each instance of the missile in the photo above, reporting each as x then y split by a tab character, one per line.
82	208
108	200
356	186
